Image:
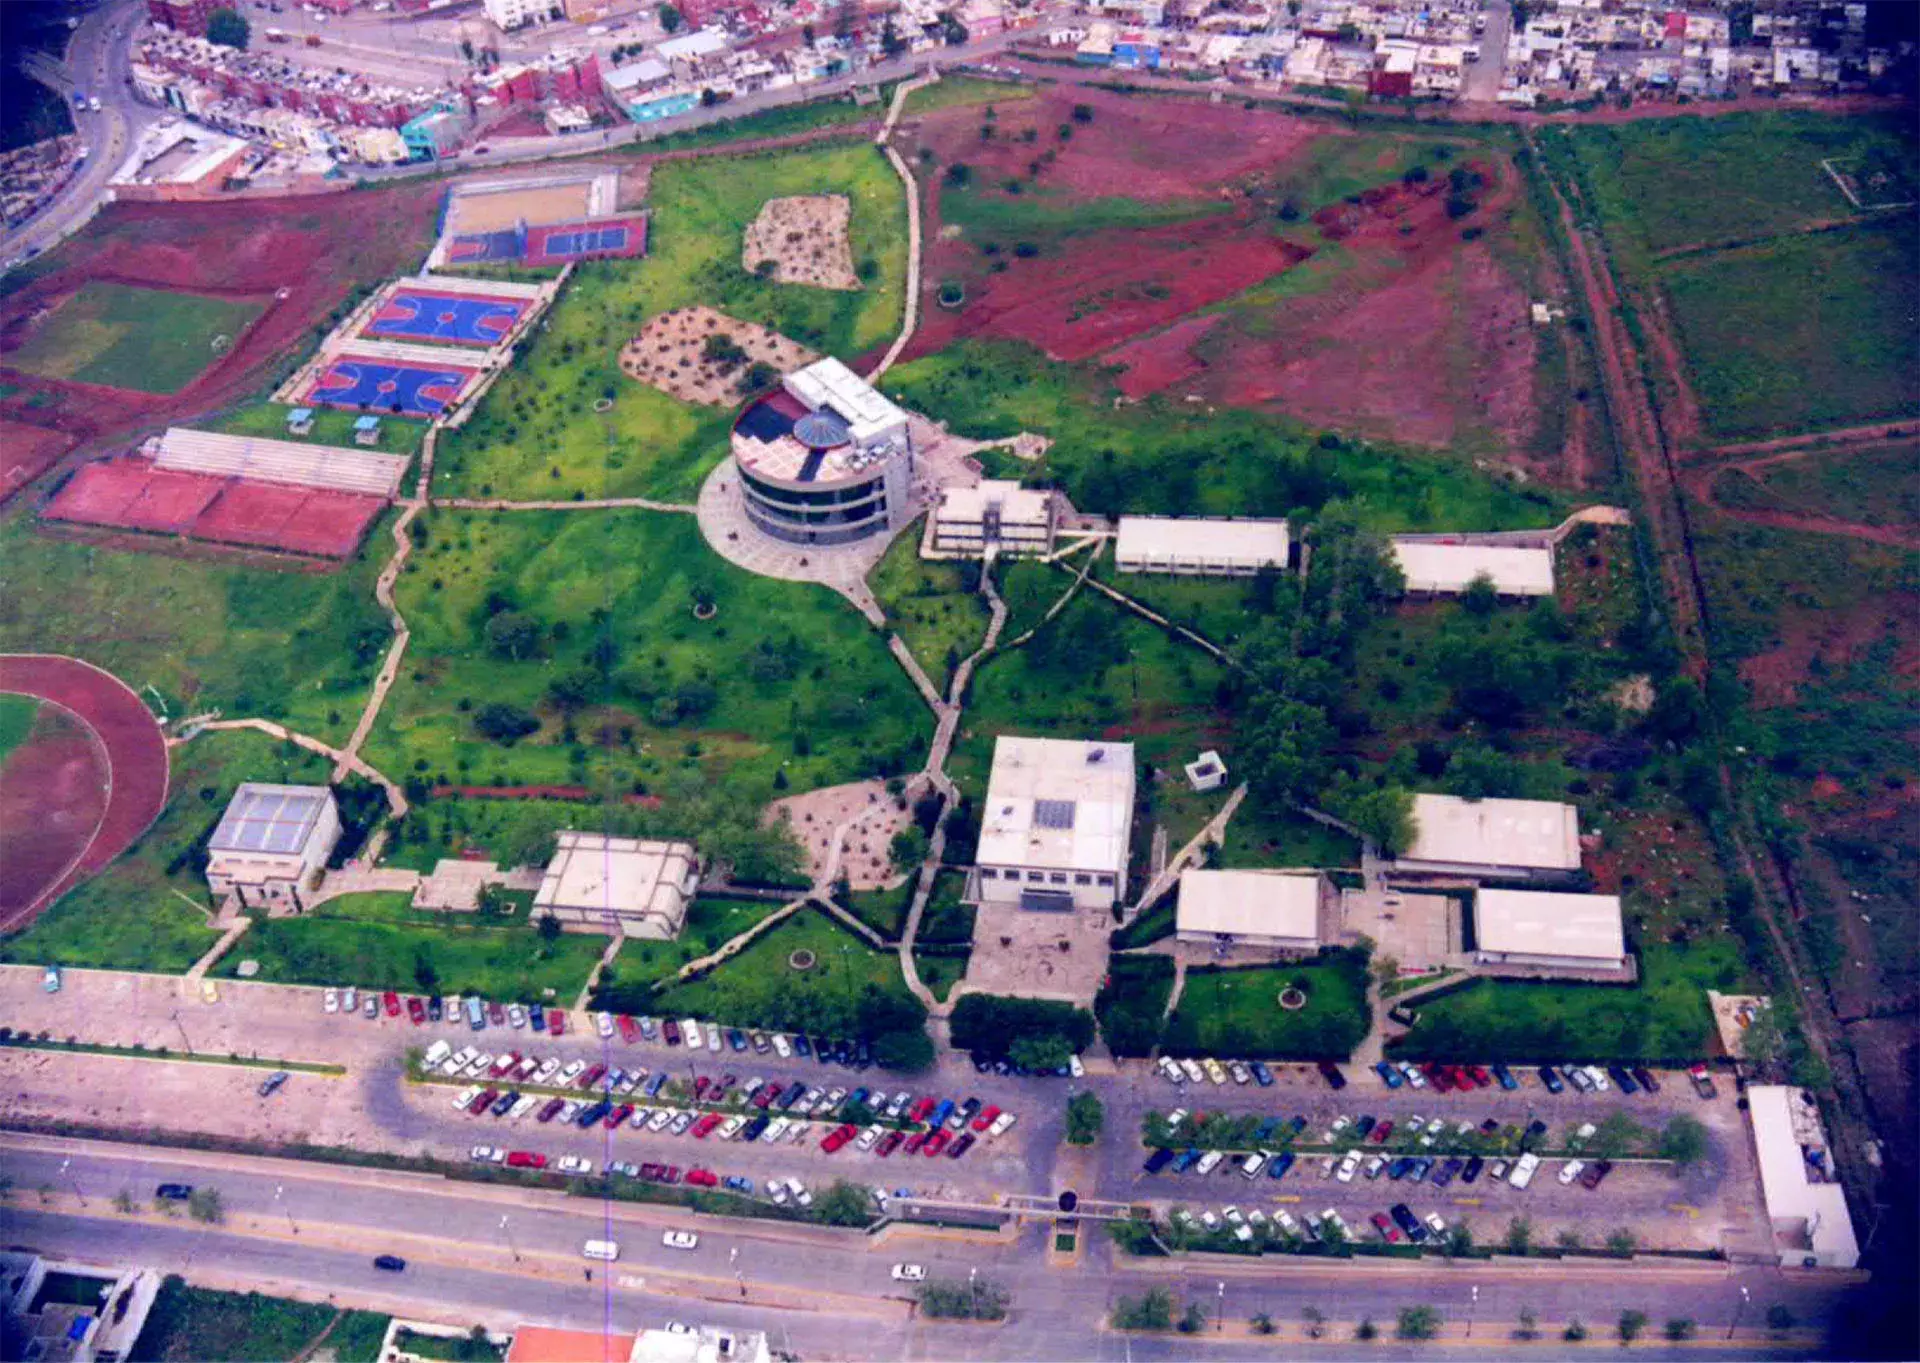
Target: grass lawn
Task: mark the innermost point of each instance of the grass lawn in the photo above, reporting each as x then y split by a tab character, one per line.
885	911
149	909
1236	1013
149	340
536	435
1216	608
458	1350
1873	487
953	91
758	988
940	973
929	605
710	924
397	435
191	1323
295	646
1801	333
1168	458
945	919
1687	181
16	721
785	678
1662	1019
782	122
1259	836
377	941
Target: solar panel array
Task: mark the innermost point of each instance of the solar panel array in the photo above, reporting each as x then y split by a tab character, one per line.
1053	813
272	819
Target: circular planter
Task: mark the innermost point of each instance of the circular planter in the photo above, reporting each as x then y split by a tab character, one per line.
603	404
1293	999
952	297
801	960
705	611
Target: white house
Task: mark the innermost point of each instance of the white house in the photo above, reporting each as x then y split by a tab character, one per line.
1495	839
1057	824
637	887
270	843
1280	910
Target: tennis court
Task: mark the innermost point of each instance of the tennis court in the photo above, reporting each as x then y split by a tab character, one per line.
463	319
384	386
614	237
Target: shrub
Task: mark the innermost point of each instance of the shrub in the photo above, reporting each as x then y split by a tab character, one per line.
1631	1324
1151	1311
1417	1322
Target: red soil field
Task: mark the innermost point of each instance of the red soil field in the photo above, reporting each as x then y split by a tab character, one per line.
1163	359
26	452
53	790
302	257
136	758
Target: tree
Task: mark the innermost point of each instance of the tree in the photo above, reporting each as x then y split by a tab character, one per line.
549	926
1385	969
204	1204
1085	1117
1418	1322
1622	1242
1262	1323
513	636
1366	1329
1480	598
1519	1235
670	19
1631	1324
1083	113
905	1051
1151	1311
1616	1134
1458	1241
1194	1320
1575	1331
908	848
845	1204
1679	1328
1041	1053
424	973
1683	1141
1384	817
1314	1319
229	28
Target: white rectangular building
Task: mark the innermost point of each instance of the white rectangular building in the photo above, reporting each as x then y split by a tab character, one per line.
1057	824
511	14
874	424
271	843
1280	910
633	886
1520	839
1200	546
1812	1227
1541	928
997	515
1433	568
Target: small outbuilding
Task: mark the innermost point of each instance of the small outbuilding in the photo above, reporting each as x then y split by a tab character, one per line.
1198	546
1207	772
1283	911
638	887
271	843
300	421
1575	932
1492	839
366	430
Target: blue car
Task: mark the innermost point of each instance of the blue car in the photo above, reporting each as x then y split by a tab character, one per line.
1280	1164
537	1018
1505	1078
1262	1075
1188	1158
655	1084
800	1046
739	1184
1389	1076
1398	1169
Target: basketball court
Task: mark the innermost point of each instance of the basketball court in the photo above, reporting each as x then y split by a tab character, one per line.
353	384
424	315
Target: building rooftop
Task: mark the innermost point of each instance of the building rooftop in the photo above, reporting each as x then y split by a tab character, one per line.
267	818
619	875
1533	834
281	461
1017	505
1155	538
1581	927
815	428
1058	803
828	385
1431	566
1247	903
1796	1177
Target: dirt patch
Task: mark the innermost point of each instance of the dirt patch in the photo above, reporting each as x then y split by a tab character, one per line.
135	757
672	354
1163	359
477	209
867	860
53	791
1835	637
26	452
803	239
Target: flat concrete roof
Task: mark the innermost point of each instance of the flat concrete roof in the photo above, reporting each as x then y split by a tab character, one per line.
1249	903
1018	505
1202	539
593	872
1580	927
828	384
1450	568
1058	804
1539	835
1785	1124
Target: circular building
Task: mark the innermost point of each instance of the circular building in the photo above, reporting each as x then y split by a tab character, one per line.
823	458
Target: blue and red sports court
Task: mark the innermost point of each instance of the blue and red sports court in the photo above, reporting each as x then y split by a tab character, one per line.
554	244
389	386
461	319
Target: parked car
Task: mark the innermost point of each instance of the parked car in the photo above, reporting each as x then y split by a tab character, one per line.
271	1084
1595	1174
1331	1073
1158	1160
680	1239
1551	1080
1505	1078
1645	1078
1389	1076
1622	1080
1571	1170
390	1263
1702	1081
909	1273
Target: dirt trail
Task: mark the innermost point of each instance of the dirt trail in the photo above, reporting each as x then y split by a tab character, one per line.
1699	484
1820	442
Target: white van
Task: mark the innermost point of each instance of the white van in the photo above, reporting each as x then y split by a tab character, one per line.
605	1250
437	1052
1523	1170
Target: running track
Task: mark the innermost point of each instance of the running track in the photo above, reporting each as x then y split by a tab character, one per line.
136	760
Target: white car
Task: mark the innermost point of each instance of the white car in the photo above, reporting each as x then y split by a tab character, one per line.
1002	1124
546	1070
1284	1220
909	1273
1175	1117
658	1121
349	1000
480	1064
1209	1162
573	1070
516	1015
1339	1124
486	1154
464	1098
1172	1071
713	1038
527	1103
1192	1070
898	1106
1074	1067
800	1193
782	1047
1436	1126
526	1069
330	1001
1415	1079
777	1191
1241	1074
1571	1170
867	1139
1599	1078
1585	1133
835	1097
690	1031
1375	1165
730	1128
800	1132
575	1164
1233	1216
679	1239
603	1024
1253	1164
776	1128
681	1121
1436	1223
1348	1167
808	1102
1209	1220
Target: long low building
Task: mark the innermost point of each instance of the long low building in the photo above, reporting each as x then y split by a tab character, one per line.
997	515
279	461
1807	1209
1549	930
1438	568
1276	910
1200	546
1518	839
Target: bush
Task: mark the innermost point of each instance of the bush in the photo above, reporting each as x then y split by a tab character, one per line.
989	1024
1085	1117
1418	1322
504	723
1679	1328
980	1299
1631	1324
1153	1311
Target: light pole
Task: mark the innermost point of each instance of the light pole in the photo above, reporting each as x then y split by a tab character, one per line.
278	1190
504	1230
1473	1303
973	1296
1738	1308
1220	1312
65	1165
733	1262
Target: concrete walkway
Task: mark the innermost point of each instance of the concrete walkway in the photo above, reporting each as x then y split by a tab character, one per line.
345	761
1214	830
910	316
591	504
614	942
235	930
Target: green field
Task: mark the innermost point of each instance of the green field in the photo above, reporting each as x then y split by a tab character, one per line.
294	646
1165	458
928	604
711	923
1801	333
987	213
397	435
1691	181
188	1324
536	434
149	340
1878	486
1258	836
1236	1013
784	681
955	91
150	910
378	941
16	721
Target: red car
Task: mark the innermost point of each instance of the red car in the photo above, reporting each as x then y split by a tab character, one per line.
961	1146
915	1142
1480	1076
986	1117
556	1024
764	1098
704	1127
889	1143
1437	1076
838	1137
669	1173
497	1014
1388	1231
505	1063
629	1029
700	1082
552	1109
1380	1133
392	1000
918	1112
703	1178
619	1115
591	1076
416	1011
526	1159
482	1101
936	1143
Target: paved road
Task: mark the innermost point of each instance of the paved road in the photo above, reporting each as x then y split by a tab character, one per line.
1483	77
